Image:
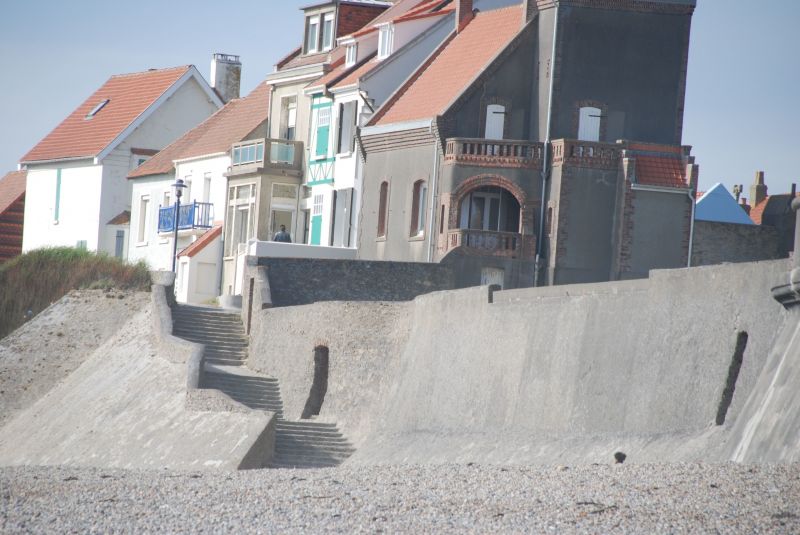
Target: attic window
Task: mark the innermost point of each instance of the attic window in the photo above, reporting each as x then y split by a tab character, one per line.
351	55
385	41
97	109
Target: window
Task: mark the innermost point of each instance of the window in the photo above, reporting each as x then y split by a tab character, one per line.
589	123
327	31
240	219
495	121
347	128
144	203
323	132
312	34
317	208
420	195
167	201
97	109
244	154
351	55
206	187
383	208
385	39
291	119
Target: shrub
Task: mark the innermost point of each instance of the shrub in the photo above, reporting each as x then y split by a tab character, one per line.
32	281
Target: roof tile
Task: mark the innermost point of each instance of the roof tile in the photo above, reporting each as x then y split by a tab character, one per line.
663	171
12	187
200	243
129	95
458	63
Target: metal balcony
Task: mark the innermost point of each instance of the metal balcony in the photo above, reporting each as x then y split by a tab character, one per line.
194	215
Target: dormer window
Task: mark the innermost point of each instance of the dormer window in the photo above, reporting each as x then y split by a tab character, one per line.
97	108
351	55
319	32
385	41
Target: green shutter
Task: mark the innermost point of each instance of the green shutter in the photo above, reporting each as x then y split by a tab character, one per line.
316	229
323	133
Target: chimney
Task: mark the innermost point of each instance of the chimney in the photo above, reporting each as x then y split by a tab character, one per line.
745	206
794	190
226	75
464	14
758	191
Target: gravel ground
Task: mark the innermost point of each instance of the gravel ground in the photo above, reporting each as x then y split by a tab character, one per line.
628	498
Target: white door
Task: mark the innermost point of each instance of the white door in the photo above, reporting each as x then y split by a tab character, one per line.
589	124
495	121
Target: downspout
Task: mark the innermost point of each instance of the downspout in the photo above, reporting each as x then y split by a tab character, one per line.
434	195
693	199
540	241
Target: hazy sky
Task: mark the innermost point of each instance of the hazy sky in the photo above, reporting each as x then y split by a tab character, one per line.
744	68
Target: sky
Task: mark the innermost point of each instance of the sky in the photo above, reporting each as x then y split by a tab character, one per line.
744	69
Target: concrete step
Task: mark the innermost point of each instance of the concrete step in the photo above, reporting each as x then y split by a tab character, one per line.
209	334
211	319
184	309
211	353
300	461
244	378
306	424
221	343
303	448
224	362
293	466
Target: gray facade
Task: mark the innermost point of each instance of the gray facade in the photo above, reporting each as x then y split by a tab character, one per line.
610	210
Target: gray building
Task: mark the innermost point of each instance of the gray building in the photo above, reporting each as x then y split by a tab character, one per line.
540	141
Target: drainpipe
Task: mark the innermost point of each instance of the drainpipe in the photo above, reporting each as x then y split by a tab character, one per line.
693	199
434	195
545	151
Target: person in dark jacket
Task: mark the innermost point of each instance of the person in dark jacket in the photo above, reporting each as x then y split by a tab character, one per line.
282	235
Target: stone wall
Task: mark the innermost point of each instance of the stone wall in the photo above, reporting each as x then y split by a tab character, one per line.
715	243
299	281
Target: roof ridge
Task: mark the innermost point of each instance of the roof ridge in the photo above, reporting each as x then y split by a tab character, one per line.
148	71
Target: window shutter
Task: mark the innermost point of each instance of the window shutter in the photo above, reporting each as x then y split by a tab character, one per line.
323	132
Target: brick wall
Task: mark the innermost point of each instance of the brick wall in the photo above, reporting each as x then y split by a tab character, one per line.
296	281
353	18
715	243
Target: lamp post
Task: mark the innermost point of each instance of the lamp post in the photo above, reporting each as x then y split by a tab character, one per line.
179	186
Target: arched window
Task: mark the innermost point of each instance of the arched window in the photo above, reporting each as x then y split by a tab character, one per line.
383	209
418	208
495	121
589	123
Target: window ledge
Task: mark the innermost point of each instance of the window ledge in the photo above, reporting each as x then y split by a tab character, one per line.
141	244
380	238
417	237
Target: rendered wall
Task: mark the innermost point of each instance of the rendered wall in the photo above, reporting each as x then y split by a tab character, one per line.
558	374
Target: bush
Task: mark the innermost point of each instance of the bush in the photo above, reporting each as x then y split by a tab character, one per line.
35	279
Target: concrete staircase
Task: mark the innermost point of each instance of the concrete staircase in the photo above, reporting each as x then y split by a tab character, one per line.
221	332
298	443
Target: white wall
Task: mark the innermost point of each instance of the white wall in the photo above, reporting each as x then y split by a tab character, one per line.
78	211
195	170
198	276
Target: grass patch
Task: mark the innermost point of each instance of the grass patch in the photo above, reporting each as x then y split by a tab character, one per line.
35	279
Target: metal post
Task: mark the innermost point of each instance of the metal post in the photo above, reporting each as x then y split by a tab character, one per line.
178	185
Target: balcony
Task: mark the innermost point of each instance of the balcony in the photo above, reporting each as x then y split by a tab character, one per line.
275	156
486	242
493	153
194	215
586	153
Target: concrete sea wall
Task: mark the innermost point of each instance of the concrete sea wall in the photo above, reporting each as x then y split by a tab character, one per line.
560	374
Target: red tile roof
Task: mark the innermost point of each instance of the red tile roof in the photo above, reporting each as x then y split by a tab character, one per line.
12	187
214	135
12	213
129	95
663	171
757	211
200	243
459	61
352	77
123	218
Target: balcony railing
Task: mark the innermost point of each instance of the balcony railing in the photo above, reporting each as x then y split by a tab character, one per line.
493	153
191	216
280	154
486	241
586	153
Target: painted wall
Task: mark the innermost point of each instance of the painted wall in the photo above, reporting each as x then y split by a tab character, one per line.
76	214
198	276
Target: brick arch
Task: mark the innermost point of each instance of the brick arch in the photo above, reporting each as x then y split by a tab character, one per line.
480	181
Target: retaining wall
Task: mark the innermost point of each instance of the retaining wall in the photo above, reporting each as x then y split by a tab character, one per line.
559	374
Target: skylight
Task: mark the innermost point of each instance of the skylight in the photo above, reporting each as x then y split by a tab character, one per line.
97	108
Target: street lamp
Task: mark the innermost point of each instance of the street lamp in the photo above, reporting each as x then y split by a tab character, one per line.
179	187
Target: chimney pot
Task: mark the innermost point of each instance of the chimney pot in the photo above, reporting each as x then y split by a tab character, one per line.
758	191
794	189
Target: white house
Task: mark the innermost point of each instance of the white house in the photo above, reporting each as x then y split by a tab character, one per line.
77	193
202	159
